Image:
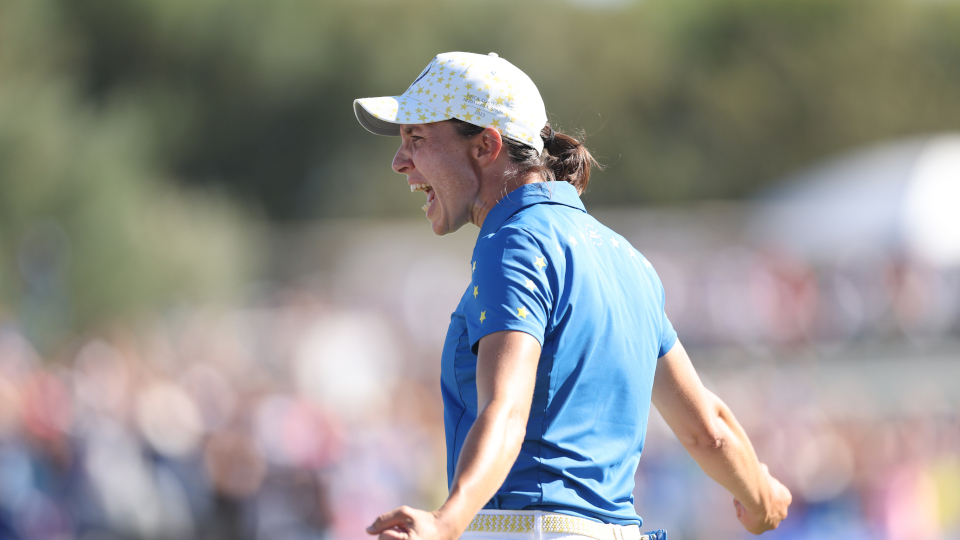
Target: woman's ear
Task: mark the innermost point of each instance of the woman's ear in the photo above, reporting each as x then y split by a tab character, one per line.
488	146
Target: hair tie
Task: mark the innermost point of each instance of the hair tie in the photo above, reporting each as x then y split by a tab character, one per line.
550	138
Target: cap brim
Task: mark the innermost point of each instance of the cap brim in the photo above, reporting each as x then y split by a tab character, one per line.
383	115
378	115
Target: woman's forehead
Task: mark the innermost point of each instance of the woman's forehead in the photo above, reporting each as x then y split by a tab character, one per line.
412	129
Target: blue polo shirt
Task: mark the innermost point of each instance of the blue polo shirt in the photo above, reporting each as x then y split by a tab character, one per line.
543	266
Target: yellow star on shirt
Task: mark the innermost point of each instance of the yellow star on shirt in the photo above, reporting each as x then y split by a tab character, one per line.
540	263
483	316
522	312
476	290
530	285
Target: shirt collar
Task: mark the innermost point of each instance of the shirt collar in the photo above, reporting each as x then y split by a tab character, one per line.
528	195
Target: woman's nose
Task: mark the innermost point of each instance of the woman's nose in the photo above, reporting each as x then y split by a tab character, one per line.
401	161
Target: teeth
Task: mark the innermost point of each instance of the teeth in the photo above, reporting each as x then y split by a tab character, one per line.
419	187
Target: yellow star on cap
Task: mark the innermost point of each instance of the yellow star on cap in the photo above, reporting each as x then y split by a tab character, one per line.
483	316
496	123
468	117
473	267
476	290
540	263
522	312
446	98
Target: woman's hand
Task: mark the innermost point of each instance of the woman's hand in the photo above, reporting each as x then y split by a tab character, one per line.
780	498
407	523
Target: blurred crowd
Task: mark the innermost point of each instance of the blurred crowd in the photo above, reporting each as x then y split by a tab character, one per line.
242	425
755	298
316	407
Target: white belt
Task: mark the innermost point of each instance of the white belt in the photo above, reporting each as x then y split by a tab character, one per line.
520	521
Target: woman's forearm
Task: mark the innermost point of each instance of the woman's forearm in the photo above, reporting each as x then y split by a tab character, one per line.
728	457
488	453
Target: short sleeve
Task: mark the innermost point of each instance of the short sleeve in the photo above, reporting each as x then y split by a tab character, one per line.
668	336
510	286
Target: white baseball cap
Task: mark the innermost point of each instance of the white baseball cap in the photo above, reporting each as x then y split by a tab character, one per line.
484	90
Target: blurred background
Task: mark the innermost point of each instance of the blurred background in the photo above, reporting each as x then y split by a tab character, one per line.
221	315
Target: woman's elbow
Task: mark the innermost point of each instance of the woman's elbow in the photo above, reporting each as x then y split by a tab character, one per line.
706	435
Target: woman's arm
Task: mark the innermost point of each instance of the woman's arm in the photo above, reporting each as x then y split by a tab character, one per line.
714	438
506	374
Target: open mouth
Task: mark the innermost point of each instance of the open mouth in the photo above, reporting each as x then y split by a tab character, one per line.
426	189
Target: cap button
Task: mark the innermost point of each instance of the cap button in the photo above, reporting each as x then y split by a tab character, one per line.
493	54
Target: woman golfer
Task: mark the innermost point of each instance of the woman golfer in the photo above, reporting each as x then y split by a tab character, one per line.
560	342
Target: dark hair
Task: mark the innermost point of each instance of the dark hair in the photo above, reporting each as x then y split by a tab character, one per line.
565	158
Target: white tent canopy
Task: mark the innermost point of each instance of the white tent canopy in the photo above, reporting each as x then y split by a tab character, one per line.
902	196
